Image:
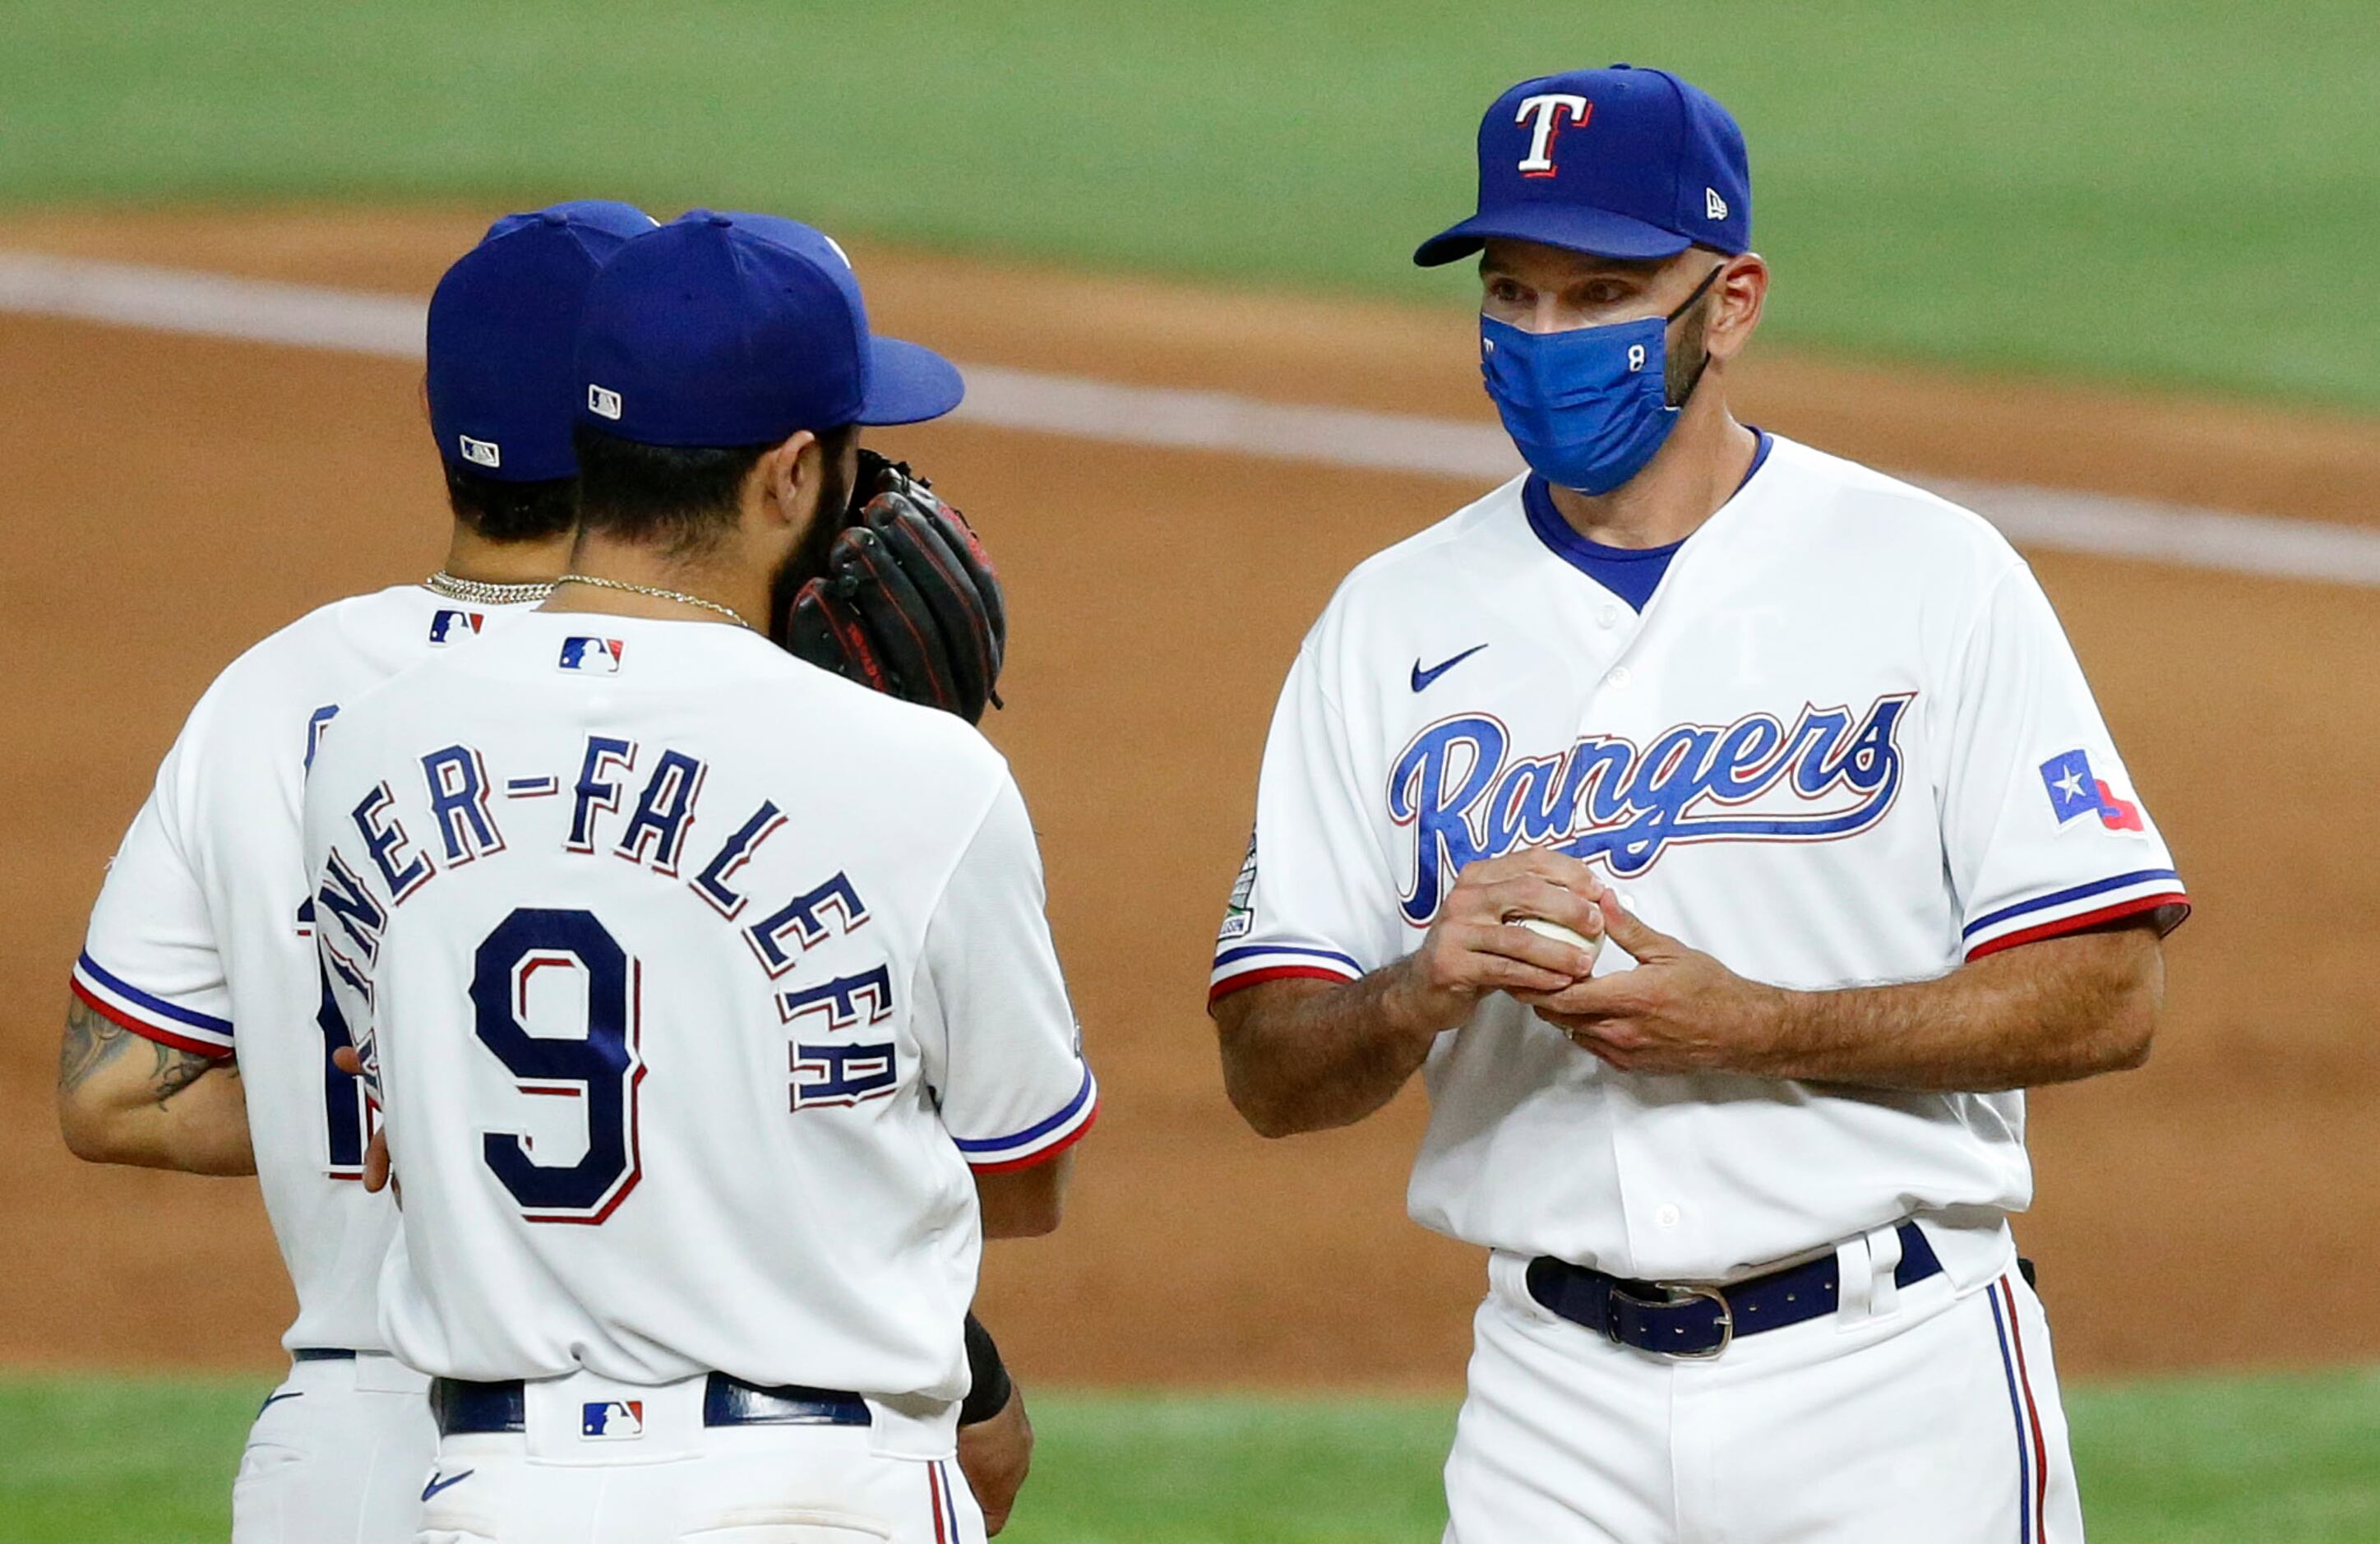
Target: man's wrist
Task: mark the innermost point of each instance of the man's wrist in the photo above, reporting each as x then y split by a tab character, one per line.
989	1385
1780	1030
1411	1011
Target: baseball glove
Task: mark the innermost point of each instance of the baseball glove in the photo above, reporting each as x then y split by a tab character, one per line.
909	604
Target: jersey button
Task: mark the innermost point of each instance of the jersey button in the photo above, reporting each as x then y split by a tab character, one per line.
1618	678
1606	616
1668	1216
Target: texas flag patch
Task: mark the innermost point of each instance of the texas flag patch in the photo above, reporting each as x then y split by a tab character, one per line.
448	625
2073	790
612	1420
597	656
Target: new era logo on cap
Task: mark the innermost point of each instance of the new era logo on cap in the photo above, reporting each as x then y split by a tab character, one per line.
1713	205
602	402
481	453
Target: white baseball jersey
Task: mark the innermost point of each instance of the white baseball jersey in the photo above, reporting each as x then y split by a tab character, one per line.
202	935
695	979
1845	742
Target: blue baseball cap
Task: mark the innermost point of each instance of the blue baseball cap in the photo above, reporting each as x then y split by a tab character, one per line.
1622	163
503	323
739	329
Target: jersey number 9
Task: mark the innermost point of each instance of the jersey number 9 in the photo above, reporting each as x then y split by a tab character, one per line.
601	1069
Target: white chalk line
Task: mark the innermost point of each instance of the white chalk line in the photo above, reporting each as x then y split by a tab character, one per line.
390	326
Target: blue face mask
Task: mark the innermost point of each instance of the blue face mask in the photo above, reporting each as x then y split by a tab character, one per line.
1588	407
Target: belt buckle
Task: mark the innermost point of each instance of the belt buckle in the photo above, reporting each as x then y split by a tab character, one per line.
1682	1291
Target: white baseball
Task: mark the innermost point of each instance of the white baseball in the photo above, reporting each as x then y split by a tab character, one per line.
1560	934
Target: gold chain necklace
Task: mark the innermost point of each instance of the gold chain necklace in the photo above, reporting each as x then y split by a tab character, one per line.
480	592
680	596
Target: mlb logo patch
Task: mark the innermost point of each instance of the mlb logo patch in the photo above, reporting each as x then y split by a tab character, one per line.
448	625
596	656
2074	790
612	1420
602	401
481	453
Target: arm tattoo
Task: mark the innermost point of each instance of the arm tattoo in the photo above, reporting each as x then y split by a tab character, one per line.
92	1039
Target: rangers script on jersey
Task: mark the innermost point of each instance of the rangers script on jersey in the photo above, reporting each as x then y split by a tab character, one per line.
1845	742
694	979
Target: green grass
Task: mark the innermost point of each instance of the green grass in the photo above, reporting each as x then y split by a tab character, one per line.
2201	1459
2182	191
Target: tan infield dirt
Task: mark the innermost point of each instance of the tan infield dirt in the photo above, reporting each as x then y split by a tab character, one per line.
170	500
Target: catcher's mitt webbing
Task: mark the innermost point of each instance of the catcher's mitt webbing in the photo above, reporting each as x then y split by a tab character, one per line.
909	604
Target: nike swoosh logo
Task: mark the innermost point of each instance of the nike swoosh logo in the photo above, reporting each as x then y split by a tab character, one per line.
1422	679
441	1482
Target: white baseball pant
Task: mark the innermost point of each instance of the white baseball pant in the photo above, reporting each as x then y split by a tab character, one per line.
1915	1413
337	1455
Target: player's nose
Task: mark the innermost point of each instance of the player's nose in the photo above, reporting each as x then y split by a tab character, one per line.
1547	313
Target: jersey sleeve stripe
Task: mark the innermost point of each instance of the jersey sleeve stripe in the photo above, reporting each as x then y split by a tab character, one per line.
145	1030
1246	978
1039	1140
1044	1153
1990	920
148	1015
1250	964
2075	924
1260	951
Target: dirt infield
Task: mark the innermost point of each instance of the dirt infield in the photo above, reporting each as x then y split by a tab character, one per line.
172	499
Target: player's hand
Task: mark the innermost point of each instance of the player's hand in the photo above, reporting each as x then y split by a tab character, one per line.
1473	949
995	1455
1678	1011
376	1174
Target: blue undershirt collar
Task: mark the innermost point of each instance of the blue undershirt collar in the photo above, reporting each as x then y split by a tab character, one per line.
1630	573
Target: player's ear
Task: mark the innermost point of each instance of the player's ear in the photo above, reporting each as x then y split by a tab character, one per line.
791	476
1735	310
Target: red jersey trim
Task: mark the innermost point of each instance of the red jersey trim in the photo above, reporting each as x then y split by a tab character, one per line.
1223	988
145	1029
2081	920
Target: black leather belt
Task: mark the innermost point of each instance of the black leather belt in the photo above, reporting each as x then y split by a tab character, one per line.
322	1354
463	1408
1698	1322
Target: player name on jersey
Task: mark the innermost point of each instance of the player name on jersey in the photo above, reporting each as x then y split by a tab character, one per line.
465	828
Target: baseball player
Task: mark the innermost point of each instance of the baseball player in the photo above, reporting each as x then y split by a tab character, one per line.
709	994
1727	834
200	947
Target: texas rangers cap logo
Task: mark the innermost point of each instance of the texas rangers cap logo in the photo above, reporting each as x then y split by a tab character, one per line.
612	1420
595	656
449	625
2073	791
1545	116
